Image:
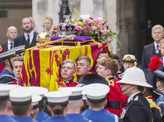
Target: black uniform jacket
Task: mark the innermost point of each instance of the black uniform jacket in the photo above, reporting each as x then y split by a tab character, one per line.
138	110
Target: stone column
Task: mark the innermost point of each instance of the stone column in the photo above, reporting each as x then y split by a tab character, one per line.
53	10
111	16
39	10
42	8
87	7
74	6
94	8
123	27
106	9
131	25
99	8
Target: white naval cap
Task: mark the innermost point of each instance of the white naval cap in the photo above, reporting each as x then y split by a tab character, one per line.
96	91
20	95
5	89
36	99
59	96
76	92
37	90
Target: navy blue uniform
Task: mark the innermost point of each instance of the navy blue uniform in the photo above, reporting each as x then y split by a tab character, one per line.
77	117
6	76
160	103
6	118
100	116
42	116
57	119
138	110
24	119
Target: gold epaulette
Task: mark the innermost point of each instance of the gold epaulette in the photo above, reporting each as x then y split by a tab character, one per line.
110	80
120	75
1	48
153	104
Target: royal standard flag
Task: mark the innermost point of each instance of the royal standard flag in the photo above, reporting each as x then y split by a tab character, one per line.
41	65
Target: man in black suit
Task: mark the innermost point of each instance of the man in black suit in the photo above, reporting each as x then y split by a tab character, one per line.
153	48
28	37
11	36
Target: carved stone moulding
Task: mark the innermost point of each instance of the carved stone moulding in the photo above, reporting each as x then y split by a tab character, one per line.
15	4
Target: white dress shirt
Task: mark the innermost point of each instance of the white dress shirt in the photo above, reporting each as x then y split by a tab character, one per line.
156	48
131	96
31	34
10	44
163	60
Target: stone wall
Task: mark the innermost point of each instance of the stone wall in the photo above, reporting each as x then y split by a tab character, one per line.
111	16
15	11
43	8
132	26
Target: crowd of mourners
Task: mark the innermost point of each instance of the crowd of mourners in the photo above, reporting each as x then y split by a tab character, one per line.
119	89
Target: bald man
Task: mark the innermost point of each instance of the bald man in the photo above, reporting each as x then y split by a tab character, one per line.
11	36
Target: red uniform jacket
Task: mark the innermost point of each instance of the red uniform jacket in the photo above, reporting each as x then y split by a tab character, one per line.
69	83
13	83
116	100
72	84
1	67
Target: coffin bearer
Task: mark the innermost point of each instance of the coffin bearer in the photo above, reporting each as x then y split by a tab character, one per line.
83	65
17	68
67	71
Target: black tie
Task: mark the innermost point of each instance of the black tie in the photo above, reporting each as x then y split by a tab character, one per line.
11	45
28	38
158	48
